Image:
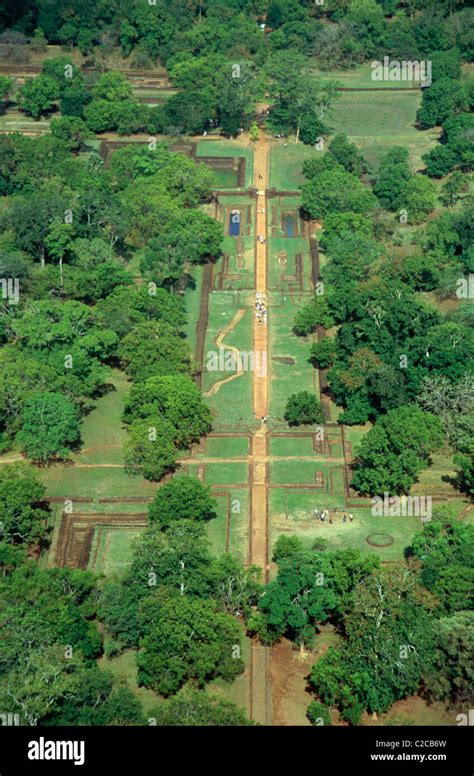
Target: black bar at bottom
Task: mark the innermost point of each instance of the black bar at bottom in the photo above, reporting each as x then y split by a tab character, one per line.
137	750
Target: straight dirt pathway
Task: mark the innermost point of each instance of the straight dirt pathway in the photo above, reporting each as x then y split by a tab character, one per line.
260	689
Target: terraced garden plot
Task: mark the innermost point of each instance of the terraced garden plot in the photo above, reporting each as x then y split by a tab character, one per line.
228	148
231	405
226	178
325	443
438	480
235	270
291	445
153	96
223	447
229	531
317	473
112	549
289	370
234	473
113	507
289	266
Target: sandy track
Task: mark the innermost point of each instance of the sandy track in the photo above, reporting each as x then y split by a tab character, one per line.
260	687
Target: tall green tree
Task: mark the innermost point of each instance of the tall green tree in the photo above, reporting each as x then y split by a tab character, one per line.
186	639
395	451
182	497
23	515
50	428
38	95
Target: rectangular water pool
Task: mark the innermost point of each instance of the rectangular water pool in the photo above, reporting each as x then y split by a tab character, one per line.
234	223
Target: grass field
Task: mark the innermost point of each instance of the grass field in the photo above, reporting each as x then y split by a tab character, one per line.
360	77
286	378
224	447
375	115
374	121
291	445
295	443
229	531
286	164
235	473
292	513
94	482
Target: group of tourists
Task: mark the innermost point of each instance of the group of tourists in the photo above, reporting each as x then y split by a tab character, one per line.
326	515
260	309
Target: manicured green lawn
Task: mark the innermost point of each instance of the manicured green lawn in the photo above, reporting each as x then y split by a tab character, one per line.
112	549
282	265
291	445
235	473
286	164
225	447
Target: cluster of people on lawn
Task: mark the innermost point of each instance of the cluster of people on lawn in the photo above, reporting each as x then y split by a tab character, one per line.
260	309
327	515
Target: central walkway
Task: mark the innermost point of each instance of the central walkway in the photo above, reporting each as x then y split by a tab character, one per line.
260	679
